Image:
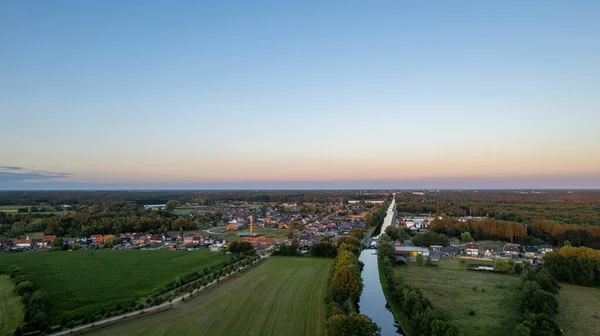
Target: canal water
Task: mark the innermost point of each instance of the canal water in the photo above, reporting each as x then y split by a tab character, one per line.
372	301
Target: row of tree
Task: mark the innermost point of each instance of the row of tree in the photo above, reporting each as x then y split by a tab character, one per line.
423	318
557	233
480	229
539	305
344	288
33	303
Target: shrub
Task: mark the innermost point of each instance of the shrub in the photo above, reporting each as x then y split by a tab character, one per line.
471	312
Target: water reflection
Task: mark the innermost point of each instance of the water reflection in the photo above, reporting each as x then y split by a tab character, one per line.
372	301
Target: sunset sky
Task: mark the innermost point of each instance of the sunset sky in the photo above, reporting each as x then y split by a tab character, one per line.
304	94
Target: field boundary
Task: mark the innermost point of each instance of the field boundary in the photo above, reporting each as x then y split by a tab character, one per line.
83	329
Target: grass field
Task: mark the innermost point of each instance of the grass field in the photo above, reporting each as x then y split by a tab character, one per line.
579	310
182	211
283	296
13	209
11	309
83	282
456	291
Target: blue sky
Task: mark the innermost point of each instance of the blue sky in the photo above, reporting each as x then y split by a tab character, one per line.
314	93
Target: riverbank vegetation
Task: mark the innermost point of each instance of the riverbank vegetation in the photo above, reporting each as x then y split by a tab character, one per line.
344	288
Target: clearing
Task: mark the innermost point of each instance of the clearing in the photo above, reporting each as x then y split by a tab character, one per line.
11	309
88	281
579	310
492	298
282	296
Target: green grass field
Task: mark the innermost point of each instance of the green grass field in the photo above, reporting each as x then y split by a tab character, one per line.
11	309
81	283
13	209
456	291
182	211
579	310
283	296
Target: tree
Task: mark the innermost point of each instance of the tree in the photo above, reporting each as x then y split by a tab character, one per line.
352	325
57	243
239	246
172	205
394	233
110	241
368	219
567	243
466	237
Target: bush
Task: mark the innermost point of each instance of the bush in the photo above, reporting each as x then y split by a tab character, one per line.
471	312
24	287
14	271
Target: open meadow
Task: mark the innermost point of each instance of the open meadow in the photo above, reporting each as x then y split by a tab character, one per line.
11	309
480	303
82	283
579	310
283	296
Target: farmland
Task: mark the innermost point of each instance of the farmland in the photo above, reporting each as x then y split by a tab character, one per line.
11	310
579	310
480	303
283	296
85	282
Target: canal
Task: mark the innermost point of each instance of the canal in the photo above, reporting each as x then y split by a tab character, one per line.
372	301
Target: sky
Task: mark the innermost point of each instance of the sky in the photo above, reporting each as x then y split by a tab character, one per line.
299	94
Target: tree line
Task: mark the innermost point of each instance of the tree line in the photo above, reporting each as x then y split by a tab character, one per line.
539	305
480	229
576	265
344	287
557	233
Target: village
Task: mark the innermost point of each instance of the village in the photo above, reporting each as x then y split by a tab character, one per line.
265	226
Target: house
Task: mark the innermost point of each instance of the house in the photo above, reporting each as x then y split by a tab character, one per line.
435	255
217	247
411	251
530	252
471	249
192	238
449	250
234	226
511	249
545	248
23	243
48	238
41	244
259	242
97	239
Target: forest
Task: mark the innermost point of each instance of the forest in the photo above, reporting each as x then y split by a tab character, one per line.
580	207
